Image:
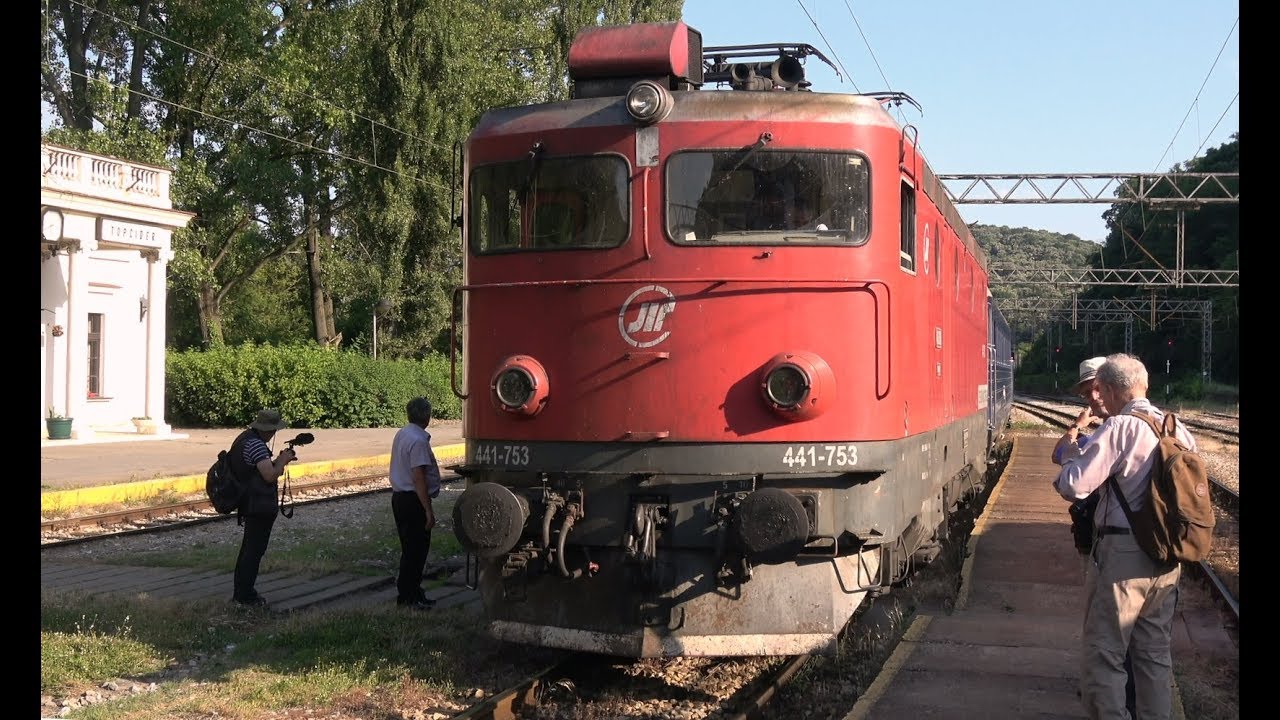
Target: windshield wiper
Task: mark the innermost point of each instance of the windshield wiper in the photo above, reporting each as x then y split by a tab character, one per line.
765	139
535	163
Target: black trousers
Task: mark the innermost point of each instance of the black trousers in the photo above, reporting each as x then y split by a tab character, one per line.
415	542
257	533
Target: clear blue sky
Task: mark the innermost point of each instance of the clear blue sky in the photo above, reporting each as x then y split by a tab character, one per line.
1022	87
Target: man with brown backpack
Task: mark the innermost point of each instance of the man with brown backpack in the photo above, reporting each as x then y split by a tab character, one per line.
1071	445
1131	585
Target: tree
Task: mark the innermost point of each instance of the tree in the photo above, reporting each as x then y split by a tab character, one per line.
317	143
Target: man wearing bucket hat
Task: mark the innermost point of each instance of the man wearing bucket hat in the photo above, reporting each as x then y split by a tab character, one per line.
251	461
1072	442
1071	445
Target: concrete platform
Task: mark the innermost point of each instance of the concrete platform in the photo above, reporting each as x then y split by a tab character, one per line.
1011	647
117	468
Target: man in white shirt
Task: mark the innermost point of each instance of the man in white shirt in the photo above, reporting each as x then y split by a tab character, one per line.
415	481
1131	598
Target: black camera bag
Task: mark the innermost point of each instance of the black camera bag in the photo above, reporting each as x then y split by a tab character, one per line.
1082	521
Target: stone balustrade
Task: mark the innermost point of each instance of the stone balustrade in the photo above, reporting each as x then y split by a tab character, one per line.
84	173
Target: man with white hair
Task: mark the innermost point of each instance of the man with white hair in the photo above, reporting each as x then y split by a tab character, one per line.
415	481
1130	597
1071	445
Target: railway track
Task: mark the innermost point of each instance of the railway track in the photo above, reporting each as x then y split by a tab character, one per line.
1219	426
560	692
1228	496
184	513
581	681
588	686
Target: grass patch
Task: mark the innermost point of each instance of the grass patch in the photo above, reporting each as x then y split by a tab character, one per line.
217	659
365	544
87	640
86	652
164	496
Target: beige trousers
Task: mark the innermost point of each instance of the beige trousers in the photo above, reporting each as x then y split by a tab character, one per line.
1130	606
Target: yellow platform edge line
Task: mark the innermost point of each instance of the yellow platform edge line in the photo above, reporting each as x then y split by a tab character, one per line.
863	707
56	500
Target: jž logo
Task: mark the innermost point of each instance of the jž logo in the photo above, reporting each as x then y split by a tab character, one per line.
643	326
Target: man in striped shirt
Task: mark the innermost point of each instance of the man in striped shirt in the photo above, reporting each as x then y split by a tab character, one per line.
252	463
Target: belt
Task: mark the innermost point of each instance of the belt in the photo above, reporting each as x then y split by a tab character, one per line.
1113	530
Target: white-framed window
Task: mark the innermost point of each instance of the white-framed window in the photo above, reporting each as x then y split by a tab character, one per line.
907	249
97	323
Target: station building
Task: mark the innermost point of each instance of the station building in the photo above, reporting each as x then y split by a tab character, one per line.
106	226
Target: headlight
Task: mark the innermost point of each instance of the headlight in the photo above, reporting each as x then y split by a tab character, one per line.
648	102
520	386
797	385
514	387
786	386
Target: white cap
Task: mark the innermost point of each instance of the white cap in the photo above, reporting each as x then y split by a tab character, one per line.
1088	369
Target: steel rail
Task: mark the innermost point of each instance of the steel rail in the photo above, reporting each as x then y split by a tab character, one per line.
152	512
1062	418
167	517
1222	594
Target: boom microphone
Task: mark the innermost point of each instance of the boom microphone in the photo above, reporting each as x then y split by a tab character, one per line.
301	439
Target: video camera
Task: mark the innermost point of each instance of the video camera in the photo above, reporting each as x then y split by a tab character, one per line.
301	439
286	494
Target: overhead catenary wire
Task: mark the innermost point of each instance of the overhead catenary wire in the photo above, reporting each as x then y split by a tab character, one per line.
1216	124
874	59
1138	207
1196	100
238	124
866	42
1119	221
830	49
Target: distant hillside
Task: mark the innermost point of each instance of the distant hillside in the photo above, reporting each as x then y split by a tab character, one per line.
1026	247
1022	247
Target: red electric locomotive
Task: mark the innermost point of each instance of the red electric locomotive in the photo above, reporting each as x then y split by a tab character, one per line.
725	353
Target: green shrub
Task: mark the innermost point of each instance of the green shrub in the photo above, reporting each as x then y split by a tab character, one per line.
313	386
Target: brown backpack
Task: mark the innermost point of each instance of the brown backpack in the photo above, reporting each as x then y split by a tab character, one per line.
1175	524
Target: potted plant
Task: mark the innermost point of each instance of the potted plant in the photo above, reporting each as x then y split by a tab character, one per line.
145	425
58	425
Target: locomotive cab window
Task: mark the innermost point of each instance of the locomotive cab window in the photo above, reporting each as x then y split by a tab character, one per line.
767	196
907	249
552	204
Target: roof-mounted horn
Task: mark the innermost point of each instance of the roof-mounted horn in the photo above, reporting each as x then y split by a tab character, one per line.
784	71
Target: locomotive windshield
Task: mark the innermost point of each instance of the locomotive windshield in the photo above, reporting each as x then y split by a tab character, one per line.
767	196
555	203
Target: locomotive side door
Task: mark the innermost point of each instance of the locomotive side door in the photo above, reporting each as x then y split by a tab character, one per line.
939	311
932	233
